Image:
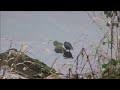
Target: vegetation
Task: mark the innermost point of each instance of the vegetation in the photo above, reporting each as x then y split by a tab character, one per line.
107	60
24	65
109	67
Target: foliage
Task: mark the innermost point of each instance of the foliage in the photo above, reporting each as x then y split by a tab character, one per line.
33	68
113	14
112	69
25	65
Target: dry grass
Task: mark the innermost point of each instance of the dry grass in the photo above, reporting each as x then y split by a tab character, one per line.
98	56
4	64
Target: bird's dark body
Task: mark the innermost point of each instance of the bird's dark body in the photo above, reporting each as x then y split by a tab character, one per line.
68	46
67	54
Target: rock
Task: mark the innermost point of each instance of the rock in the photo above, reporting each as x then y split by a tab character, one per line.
25	65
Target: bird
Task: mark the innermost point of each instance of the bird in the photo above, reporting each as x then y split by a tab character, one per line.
56	43
59	49
68	46
67	54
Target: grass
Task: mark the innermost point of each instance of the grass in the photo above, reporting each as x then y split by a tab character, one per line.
95	59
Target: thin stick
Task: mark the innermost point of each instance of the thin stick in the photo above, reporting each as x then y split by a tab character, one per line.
89	64
54	63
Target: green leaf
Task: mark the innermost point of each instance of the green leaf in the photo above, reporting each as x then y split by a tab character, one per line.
104	65
105	12
117	61
112	62
108	14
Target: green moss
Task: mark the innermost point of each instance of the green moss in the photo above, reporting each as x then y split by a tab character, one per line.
35	68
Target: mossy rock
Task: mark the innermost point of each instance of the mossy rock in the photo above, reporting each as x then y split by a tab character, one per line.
35	68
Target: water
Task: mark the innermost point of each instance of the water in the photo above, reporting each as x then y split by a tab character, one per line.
39	29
